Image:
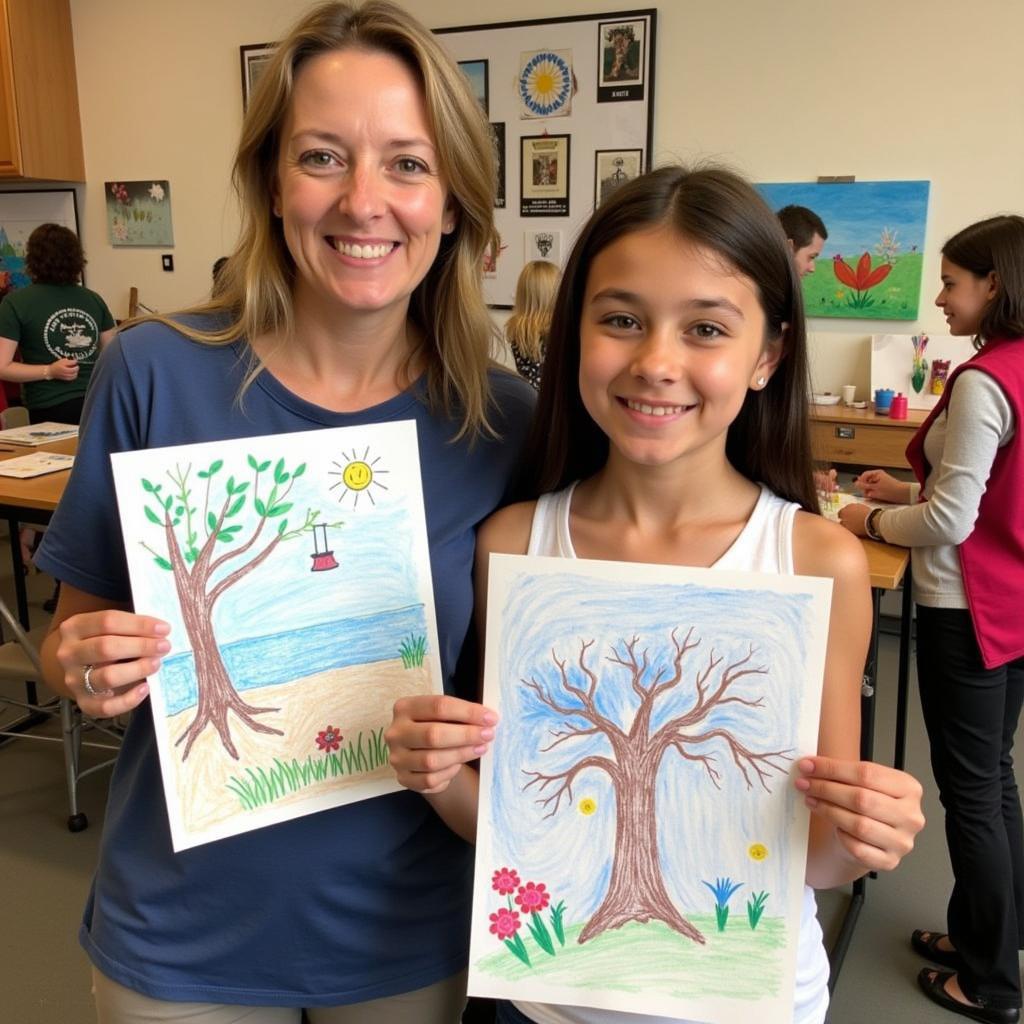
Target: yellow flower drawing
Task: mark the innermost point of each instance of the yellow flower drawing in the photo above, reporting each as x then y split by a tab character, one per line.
758	851
587	805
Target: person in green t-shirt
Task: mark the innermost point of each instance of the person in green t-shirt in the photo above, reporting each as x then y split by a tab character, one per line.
57	325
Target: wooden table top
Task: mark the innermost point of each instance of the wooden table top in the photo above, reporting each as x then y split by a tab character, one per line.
886	563
845	414
40	492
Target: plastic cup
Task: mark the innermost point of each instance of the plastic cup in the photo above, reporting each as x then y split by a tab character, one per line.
849	392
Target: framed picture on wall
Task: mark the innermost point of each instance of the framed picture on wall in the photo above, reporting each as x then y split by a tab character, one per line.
255	58
20	214
476	72
544	176
614	167
498	132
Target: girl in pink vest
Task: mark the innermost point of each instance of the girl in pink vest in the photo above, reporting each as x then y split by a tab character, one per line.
964	519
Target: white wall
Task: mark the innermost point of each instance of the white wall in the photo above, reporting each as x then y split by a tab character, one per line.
922	89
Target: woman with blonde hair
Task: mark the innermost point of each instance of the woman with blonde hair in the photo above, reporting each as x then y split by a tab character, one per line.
527	327
366	178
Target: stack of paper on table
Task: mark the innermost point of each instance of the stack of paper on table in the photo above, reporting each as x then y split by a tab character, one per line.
39	433
36	464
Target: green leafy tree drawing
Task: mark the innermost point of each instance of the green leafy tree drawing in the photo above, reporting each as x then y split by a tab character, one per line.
212	552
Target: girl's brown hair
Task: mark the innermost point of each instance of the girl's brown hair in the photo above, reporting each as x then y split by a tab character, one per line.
254	288
769	441
995	245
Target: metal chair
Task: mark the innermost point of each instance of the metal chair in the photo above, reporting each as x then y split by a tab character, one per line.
19	662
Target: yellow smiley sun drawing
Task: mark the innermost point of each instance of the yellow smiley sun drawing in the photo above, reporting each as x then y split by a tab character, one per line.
358	474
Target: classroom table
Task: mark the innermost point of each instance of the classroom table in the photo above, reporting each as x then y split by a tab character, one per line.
30	501
860	437
888	566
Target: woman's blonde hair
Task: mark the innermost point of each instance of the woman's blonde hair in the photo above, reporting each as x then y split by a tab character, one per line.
254	293
527	327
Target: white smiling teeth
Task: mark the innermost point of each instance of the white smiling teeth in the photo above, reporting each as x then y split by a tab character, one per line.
655	410
364	252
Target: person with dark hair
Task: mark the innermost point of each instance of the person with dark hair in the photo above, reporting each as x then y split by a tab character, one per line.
366	178
964	521
806	234
57	326
672	427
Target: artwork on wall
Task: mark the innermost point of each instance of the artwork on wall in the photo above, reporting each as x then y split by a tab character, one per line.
20	214
544	176
916	365
871	264
640	846
295	574
621	61
476	72
614	167
139	213
546	83
549	83
493	257
255	58
544	245
498	134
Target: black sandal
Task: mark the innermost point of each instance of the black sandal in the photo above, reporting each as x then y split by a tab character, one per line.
929	949
933	985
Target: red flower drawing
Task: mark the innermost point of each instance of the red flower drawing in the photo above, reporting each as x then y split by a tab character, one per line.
862	279
505	923
505	881
533	898
329	739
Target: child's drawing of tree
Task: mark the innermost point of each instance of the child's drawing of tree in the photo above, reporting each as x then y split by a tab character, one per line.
211	552
632	756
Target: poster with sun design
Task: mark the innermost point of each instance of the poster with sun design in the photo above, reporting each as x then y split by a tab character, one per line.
295	574
546	84
640	844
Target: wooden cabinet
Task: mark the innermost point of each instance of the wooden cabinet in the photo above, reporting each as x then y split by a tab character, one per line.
40	127
860	437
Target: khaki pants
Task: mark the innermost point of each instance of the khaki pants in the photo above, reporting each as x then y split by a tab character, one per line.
441	1003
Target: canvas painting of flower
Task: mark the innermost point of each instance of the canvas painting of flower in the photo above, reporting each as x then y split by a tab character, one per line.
870	264
640	846
139	213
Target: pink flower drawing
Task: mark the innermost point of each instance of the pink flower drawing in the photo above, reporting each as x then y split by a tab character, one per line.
505	881
329	739
533	898
505	923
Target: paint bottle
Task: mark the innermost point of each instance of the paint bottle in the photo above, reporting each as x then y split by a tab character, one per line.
898	407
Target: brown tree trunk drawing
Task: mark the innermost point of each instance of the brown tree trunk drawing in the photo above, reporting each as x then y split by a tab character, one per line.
198	585
636	889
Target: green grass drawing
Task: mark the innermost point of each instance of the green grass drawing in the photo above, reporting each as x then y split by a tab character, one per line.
412	649
258	787
896	298
659	960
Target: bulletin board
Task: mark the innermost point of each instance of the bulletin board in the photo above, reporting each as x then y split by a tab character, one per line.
571	106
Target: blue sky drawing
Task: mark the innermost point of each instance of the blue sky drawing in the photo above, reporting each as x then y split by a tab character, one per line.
855	213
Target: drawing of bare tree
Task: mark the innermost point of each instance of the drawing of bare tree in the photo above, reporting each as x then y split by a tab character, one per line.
197	550
633	758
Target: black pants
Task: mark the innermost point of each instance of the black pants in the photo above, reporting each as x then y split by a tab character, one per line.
64	412
971	714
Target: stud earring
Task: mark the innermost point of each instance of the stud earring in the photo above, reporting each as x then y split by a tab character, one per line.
761	381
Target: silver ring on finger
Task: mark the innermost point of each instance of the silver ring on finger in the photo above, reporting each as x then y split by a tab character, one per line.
87	683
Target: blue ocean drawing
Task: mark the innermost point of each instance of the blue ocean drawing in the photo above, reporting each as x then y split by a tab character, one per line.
281	657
